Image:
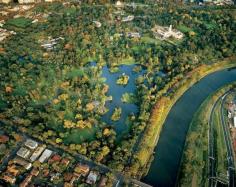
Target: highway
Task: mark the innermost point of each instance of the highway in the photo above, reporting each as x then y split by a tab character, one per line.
230	153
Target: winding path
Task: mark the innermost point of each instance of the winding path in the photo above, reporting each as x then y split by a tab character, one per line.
168	152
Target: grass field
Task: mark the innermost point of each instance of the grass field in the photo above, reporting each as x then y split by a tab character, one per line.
20	22
79	136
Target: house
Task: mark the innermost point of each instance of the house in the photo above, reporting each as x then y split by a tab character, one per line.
103	182
65	162
92	177
31	144
13	170
26	182
55	158
37	153
82	169
23	152
9	179
34	172
4	138
46	154
22	162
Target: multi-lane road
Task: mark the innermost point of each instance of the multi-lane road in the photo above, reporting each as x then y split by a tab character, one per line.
213	178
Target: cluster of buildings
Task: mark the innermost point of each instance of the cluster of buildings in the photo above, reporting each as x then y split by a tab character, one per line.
232	113
50	43
33	161
164	33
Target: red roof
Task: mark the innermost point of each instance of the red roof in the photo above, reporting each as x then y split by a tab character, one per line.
4	138
56	158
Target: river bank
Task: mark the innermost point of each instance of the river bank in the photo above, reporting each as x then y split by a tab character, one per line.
164	105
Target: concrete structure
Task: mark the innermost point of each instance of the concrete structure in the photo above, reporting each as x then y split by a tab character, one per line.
37	153
31	144
234	121
119	4
23	152
166	32
133	34
46	154
128	18
97	24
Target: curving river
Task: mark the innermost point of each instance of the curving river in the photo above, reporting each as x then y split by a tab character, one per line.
168	152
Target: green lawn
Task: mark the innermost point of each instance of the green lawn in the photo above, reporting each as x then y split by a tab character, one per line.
78	136
184	29
20	22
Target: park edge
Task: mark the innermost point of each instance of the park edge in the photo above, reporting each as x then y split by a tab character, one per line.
144	151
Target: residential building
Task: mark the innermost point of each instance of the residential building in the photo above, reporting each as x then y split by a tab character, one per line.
92	177
23	152
34	172
103	182
26	182
46	154
82	169
13	170
97	24
31	144
8	178
133	34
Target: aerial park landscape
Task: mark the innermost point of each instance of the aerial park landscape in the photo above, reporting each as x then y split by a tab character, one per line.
117	93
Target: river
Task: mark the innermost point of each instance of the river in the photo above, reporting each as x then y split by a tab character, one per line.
168	152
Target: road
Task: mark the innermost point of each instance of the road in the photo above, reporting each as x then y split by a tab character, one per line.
213	179
230	153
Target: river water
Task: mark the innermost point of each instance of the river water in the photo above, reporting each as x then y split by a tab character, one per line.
168	152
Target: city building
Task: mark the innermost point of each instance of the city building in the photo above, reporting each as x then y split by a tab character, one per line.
37	153
23	152
46	154
22	162
31	144
163	33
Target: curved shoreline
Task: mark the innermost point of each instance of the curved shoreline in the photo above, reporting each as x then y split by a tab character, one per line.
168	174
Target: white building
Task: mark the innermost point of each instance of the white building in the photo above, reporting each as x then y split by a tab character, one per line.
23	152
22	162
37	153
92	177
31	144
166	32
128	18
46	154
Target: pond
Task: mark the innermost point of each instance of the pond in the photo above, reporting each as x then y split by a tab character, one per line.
116	91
